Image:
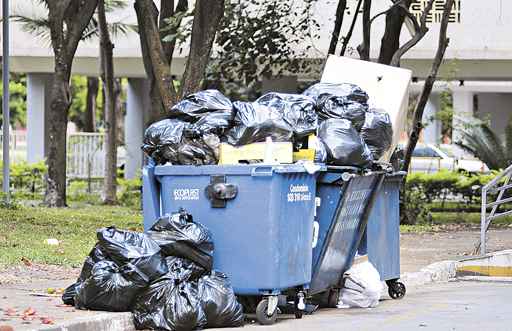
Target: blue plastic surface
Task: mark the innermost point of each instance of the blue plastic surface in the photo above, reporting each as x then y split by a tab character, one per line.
263	236
382	238
342	218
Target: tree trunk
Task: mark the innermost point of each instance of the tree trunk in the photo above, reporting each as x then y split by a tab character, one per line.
90	105
346	39
338	22
58	120
429	83
364	47
390	41
118	95
67	21
155	62
107	75
208	14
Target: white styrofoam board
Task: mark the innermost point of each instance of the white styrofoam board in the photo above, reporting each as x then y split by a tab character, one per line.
387	87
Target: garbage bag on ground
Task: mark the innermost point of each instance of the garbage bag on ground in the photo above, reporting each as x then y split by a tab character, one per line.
347	101
298	110
202	150
362	287
377	132
183	269
68	297
136	248
162	140
169	305
96	255
110	287
254	122
343	144
219	301
178	235
201	104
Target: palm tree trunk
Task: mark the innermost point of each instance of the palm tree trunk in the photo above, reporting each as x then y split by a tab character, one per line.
90	105
107	75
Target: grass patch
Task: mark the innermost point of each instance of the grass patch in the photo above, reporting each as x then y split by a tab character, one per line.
466	218
418	228
24	230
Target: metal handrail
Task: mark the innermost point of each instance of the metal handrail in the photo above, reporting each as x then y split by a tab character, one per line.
494	185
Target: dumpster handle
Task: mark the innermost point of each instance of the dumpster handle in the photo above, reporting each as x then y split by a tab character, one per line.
263	171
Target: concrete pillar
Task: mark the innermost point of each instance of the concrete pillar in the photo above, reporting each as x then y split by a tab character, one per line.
38	104
463	112
137	104
432	129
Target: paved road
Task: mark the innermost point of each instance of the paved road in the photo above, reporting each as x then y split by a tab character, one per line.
449	306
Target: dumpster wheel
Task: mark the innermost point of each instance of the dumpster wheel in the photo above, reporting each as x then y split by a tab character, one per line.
262	313
396	290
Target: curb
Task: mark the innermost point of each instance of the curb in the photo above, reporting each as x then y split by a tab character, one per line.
101	322
437	272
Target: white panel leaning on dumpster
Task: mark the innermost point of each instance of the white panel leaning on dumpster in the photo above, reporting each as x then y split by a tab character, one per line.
387	87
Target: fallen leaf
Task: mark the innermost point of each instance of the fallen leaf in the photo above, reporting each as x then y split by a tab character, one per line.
29	311
10	312
46	320
63	305
26	261
50	290
6	328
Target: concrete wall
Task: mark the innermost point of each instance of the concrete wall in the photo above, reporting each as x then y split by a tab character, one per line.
497	107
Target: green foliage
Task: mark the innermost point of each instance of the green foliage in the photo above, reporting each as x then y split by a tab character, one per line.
129	192
27	180
480	140
421	190
259	39
17	99
23	232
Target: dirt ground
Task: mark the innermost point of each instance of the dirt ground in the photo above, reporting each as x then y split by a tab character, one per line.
416	251
419	250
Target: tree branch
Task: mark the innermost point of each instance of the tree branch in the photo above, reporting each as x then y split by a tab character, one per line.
421	30
390	41
429	83
340	13
208	14
364	47
346	39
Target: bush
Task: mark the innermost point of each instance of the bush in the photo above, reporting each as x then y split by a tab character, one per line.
422	189
129	192
27	180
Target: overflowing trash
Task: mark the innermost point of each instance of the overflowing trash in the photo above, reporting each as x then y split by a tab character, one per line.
362	287
164	277
201	122
343	144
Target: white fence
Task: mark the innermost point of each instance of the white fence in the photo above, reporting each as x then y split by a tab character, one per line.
85	153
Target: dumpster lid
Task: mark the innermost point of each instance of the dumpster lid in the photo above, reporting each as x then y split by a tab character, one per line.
241	169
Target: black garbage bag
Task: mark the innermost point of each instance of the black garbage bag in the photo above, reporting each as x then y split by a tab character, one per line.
135	248
178	235
216	123
68	297
162	140
321	92
96	255
169	305
202	150
343	144
377	132
201	104
219	301
183	269
298	110
110	287
255	122
347	101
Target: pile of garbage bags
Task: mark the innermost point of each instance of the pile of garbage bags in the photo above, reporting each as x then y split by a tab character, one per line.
349	133
164	277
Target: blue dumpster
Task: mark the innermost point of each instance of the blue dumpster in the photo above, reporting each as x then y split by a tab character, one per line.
381	240
261	219
345	199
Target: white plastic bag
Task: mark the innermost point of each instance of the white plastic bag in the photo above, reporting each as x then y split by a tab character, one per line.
362	287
